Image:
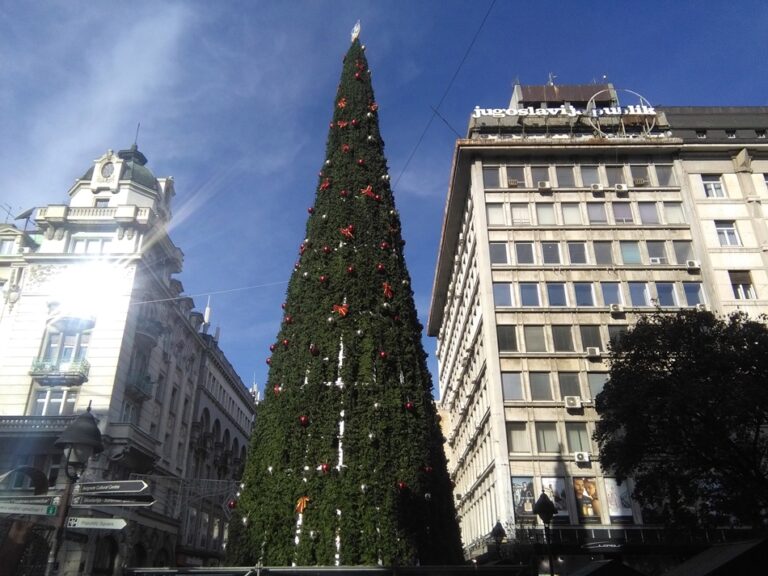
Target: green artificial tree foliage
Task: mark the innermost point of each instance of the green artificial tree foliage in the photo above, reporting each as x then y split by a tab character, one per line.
685	415
346	464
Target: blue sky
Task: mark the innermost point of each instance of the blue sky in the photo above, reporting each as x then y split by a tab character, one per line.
234	100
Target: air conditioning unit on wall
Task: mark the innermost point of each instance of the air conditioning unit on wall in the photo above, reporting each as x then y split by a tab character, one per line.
573	402
616	308
593	352
581	457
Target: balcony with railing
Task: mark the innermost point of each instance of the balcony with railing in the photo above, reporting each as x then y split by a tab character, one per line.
139	387
58	373
34	425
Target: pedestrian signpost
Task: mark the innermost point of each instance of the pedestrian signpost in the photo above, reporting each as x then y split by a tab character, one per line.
31	509
131	493
116	500
96	523
118	487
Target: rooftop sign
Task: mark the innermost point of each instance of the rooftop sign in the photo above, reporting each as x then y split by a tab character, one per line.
564	111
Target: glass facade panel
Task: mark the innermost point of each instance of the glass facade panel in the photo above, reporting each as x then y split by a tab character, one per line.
512	386
524	252
541	388
562	338
534	339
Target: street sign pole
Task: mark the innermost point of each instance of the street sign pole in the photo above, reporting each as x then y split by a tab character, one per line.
89	523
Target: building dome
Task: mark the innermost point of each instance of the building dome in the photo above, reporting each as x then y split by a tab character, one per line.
133	168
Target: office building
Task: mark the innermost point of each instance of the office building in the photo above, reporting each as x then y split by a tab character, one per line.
571	213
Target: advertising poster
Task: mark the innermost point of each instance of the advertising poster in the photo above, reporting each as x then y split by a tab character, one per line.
619	500
555	489
523	495
588	503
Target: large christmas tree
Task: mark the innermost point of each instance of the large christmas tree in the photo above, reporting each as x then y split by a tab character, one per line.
346	464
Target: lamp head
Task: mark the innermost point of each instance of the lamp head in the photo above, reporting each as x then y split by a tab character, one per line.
80	441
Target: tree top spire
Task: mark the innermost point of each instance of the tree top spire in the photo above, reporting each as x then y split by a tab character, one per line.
355	31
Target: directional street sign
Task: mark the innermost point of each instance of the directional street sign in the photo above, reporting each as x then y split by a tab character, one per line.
47	500
124	486
97	523
33	509
116	500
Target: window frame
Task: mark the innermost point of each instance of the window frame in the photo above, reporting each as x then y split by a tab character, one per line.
713	185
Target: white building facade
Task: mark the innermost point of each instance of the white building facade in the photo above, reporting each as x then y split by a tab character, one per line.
91	315
570	214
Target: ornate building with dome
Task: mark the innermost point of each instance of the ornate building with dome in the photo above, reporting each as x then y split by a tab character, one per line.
92	315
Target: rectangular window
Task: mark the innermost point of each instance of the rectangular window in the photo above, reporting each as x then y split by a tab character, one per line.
584	293
611	293
529	294
578	439
512	386
713	185
545	214
515	176
590	336
54	402
630	251
569	384
502	293
741	282
498	252
648	212
541	389
507	338
596	213
596	381
556	294
521	214
571	213
683	251
524	252
673	213
603	252
665	175
562	338
62	348
657	251
615	175
495	214
565	177
491	177
589	176
577	252
534	339
539	174
639	174
550	252
546	437
638	293
693	293
7	247
666	293
101	203
616	332
727	234
622	213
517	437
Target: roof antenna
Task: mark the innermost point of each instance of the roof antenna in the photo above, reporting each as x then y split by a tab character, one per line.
551	79
136	140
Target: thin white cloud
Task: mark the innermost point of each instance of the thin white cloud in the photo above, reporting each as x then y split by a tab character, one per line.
106	92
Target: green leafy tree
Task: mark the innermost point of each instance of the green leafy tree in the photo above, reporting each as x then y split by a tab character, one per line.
685	415
346	464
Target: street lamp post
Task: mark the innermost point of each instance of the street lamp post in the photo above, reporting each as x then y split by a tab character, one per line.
545	509
80	441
